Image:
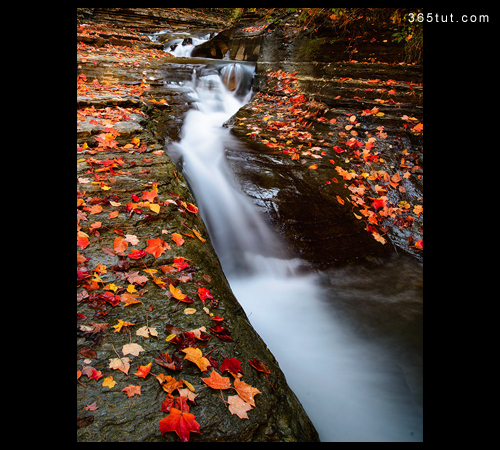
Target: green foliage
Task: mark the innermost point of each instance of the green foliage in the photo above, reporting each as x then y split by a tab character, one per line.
412	34
352	22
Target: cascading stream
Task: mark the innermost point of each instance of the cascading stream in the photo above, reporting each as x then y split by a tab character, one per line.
348	386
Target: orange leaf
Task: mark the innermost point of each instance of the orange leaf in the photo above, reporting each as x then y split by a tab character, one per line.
177	293
132	391
217	382
149	196
144	371
246	392
196	356
97	209
169	384
121	245
157	247
396	178
238	407
178	239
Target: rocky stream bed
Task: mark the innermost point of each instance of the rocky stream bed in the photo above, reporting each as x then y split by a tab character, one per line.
330	151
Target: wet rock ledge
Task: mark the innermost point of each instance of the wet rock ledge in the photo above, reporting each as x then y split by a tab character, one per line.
141	248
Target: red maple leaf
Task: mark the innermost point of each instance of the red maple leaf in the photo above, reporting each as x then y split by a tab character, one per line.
233	366
379	203
204	293
136	254
182	423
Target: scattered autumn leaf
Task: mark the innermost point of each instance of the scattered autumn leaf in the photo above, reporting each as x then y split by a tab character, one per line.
156	247
177	238
215	381
109	383
239	407
246	392
132	391
132	349
196	356
181	423
121	364
144	371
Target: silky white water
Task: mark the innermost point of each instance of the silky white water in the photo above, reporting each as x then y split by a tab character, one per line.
349	387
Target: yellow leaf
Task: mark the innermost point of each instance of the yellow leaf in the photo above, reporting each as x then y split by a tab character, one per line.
131	289
177	293
109	383
111	287
196	356
189	386
198	235
122	324
155	208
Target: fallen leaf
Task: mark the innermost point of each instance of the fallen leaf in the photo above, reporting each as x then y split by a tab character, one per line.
204	294
144	371
246	392
132	391
109	383
181	423
145	332
123	365
178	239
217	382
259	366
132	349
239	407
166	361
233	366
122	324
169	384
177	293
157	247
155	208
121	245
133	240
196	356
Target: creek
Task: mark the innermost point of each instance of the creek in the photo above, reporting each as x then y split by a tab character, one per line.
348	340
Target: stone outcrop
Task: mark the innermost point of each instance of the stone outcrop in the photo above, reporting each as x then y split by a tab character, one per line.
234	44
161	18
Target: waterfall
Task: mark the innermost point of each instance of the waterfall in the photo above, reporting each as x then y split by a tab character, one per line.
347	386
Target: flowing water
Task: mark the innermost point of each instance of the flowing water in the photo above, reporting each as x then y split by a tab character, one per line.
354	388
